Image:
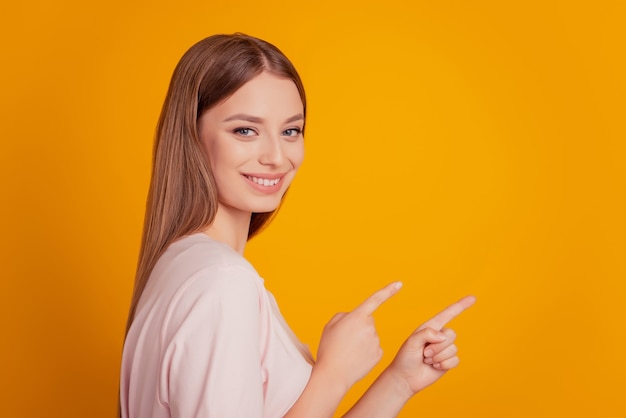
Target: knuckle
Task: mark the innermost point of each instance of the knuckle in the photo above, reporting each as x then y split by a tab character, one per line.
453	362
449	332
433	331
446	355
424	330
377	299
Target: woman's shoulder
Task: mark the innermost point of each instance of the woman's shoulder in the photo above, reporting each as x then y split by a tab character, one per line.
197	265
197	274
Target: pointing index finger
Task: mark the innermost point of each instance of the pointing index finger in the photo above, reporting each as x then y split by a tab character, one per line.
373	302
442	318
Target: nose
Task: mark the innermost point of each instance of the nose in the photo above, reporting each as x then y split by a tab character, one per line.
272	151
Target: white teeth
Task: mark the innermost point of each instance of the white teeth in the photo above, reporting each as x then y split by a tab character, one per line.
263	182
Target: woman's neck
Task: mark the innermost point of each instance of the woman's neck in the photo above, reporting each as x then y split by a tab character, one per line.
230	226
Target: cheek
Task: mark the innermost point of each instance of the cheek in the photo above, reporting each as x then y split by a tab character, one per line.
296	154
211	149
222	155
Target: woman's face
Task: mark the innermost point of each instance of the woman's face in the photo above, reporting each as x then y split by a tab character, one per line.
254	142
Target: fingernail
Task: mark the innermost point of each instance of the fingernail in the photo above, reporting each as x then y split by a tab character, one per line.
441	336
398	285
428	353
428	360
437	365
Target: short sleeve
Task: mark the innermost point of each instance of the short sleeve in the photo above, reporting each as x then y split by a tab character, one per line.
210	340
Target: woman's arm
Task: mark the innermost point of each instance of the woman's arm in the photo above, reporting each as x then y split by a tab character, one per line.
423	358
349	349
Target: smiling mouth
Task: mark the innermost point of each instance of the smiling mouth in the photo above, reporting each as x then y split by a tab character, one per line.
264	182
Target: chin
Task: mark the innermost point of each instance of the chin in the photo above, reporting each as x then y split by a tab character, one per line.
265	208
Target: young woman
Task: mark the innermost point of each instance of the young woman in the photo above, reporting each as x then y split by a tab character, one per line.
205	338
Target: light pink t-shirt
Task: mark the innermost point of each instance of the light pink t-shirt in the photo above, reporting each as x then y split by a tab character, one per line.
208	340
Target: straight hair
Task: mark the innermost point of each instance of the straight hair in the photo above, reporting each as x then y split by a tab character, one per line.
182	198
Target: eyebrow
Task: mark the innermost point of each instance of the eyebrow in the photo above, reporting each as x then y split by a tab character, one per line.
255	119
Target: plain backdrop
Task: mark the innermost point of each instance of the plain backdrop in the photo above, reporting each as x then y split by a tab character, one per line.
463	147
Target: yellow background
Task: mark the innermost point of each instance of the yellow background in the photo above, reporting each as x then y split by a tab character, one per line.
460	146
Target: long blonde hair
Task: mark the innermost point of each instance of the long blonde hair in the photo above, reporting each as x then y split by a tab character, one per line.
182	198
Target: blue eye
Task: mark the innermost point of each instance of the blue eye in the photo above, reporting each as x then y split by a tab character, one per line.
292	132
244	131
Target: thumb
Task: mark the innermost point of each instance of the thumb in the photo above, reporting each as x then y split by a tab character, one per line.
420	338
336	318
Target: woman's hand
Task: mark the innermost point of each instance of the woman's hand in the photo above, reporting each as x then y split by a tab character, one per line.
429	351
349	347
